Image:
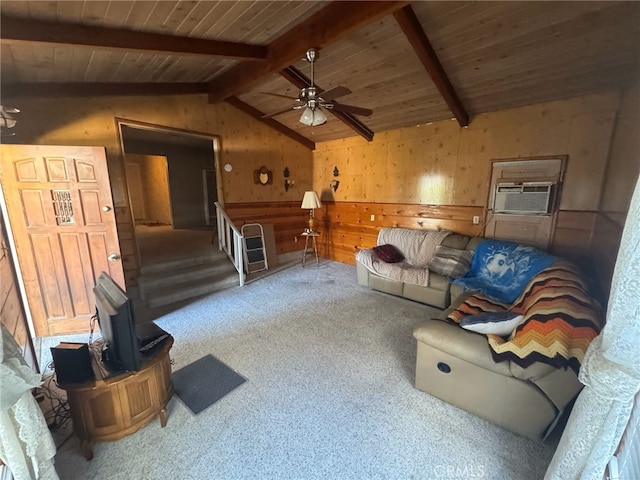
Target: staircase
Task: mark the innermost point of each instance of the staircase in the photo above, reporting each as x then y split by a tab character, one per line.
172	281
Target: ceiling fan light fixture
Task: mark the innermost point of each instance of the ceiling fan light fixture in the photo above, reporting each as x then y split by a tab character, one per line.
319	117
313	117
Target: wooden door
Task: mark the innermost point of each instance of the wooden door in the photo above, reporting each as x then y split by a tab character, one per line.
62	218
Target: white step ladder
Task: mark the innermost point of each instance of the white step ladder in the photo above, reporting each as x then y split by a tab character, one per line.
255	254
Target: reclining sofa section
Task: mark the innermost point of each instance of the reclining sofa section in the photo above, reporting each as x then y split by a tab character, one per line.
512	381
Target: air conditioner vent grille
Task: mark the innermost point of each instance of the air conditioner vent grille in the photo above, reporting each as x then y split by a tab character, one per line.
523	199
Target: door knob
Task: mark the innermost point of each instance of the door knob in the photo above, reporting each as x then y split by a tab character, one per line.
114	257
106	208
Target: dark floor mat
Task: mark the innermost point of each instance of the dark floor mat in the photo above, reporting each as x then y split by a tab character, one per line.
204	382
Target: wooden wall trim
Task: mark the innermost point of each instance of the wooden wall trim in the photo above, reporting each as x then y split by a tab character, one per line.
288	220
346	227
128	247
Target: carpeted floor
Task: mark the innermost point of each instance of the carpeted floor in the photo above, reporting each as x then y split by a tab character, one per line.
329	395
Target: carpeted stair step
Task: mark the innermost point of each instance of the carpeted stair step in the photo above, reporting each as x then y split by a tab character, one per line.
193	261
170	282
183	273
190	289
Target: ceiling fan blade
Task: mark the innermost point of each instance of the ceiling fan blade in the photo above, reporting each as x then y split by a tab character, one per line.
273	114
339	107
335	92
280	95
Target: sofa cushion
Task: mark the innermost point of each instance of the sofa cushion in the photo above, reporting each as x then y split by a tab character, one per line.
455	240
497	323
451	262
388	253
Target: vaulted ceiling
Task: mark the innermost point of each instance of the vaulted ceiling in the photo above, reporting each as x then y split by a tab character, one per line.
410	62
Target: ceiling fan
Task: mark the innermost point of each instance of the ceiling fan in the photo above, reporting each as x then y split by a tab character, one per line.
314	100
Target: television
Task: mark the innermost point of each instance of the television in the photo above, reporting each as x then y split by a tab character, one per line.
121	349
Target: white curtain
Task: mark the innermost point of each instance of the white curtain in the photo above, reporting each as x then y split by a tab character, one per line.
610	371
26	446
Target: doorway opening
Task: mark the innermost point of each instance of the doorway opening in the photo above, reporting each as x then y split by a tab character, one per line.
170	202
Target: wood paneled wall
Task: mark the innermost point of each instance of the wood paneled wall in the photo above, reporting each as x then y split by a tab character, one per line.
11	309
443	164
573	234
245	144
438	174
621	177
348	227
434	173
624	162
607	234
287	218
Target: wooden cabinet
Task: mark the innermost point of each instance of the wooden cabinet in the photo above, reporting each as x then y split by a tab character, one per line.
118	406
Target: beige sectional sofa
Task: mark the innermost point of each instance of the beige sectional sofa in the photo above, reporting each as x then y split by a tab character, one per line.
435	293
510	381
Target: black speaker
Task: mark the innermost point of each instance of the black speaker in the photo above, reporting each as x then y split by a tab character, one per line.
72	362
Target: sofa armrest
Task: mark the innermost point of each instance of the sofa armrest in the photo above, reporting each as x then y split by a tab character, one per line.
363	274
561	386
454	340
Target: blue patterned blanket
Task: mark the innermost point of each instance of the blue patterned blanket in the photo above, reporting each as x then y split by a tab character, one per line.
502	269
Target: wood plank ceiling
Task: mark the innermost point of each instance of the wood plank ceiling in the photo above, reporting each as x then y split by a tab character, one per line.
410	62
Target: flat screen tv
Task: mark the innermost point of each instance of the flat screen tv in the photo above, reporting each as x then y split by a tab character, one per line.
121	349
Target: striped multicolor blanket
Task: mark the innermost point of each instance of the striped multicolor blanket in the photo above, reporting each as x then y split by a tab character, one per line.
560	319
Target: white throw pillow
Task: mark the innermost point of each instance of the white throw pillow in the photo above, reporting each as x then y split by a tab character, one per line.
498	323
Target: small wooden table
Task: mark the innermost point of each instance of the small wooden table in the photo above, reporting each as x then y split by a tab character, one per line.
112	408
310	235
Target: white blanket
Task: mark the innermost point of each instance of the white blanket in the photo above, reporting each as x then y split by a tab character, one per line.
418	248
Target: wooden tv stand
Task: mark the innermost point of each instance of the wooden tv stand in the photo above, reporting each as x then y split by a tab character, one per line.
112	408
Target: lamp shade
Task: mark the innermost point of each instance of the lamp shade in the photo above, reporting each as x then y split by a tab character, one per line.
310	200
307	117
313	117
318	117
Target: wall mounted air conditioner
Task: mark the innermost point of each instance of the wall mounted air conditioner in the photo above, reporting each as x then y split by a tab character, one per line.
528	198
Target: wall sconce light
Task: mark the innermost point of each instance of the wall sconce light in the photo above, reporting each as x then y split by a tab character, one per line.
335	183
287	183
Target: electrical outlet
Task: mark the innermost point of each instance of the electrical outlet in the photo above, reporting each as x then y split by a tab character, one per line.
476	219
373	217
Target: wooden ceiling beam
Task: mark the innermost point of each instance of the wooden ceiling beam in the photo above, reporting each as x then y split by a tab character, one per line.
99	89
17	29
297	78
257	114
334	22
410	25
